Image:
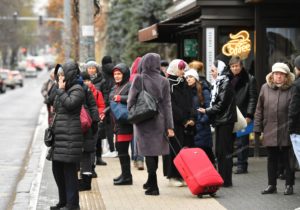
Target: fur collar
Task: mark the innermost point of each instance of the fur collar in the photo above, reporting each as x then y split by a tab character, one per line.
288	83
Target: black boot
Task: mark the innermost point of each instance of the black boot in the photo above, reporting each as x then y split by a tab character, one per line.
126	177
270	190
100	162
117	178
288	190
147	183
153	188
85	182
57	206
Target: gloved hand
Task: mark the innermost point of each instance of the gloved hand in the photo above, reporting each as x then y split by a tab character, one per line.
94	127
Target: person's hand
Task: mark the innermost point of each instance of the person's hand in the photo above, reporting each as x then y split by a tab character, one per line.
171	133
201	110
248	120
189	123
102	116
117	98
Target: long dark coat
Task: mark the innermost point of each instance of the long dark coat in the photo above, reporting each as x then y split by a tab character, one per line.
182	106
294	109
246	93
90	138
151	134
68	139
271	115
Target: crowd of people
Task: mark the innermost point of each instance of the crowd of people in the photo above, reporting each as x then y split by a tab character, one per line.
188	107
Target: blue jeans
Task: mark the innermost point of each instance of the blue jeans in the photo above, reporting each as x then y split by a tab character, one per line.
242	152
134	151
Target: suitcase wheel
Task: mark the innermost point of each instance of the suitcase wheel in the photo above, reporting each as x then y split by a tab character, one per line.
200	196
212	194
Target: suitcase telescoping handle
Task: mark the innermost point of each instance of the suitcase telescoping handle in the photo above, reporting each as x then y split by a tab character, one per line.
177	141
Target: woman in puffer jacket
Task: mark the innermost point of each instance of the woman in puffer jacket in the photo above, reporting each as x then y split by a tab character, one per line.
68	141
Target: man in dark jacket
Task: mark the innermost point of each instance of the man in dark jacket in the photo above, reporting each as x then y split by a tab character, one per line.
109	82
244	85
294	111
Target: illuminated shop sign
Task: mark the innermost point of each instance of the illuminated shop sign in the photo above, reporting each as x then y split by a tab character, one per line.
239	45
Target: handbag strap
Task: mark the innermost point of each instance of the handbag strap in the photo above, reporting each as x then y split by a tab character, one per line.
52	123
122	89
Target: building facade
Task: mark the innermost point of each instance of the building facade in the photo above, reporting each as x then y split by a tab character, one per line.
260	31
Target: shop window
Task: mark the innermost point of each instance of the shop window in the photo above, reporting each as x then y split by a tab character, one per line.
283	44
190	48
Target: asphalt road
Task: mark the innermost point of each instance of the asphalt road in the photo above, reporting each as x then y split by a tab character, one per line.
19	112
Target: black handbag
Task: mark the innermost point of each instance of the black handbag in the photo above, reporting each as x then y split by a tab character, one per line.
49	134
145	108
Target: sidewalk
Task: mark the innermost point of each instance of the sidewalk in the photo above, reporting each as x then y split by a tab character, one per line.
245	193
132	197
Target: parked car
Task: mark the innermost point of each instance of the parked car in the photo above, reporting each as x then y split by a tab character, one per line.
2	85
18	77
9	80
30	72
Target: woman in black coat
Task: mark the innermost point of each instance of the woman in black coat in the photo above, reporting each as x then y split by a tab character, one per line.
68	139
90	141
183	115
223	114
122	129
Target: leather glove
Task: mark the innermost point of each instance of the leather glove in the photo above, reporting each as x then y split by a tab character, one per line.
94	127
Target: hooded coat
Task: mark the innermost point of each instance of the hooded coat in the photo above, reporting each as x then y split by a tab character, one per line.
271	115
151	134
68	139
122	129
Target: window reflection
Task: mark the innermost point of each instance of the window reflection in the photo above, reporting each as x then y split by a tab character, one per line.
283	44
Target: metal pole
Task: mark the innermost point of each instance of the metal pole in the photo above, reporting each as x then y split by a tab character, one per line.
67	29
86	30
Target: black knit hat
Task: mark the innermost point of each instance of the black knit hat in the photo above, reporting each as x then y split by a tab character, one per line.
297	62
106	59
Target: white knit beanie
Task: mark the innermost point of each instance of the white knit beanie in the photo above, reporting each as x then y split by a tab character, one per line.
193	73
281	67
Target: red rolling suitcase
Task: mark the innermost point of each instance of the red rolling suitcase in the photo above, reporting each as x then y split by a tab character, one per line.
198	172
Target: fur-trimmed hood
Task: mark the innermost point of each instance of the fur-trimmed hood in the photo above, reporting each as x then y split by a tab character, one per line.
288	83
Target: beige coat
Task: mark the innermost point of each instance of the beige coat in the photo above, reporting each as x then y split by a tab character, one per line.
271	115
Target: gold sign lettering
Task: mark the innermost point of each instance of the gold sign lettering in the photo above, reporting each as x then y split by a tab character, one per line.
239	45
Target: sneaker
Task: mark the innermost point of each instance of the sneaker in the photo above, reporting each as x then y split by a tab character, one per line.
135	163
140	165
175	182
111	154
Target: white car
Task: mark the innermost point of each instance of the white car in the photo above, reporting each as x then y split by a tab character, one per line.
30	72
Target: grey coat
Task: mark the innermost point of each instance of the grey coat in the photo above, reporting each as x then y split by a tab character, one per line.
151	134
271	115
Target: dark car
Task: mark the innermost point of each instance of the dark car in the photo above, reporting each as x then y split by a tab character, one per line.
2	85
